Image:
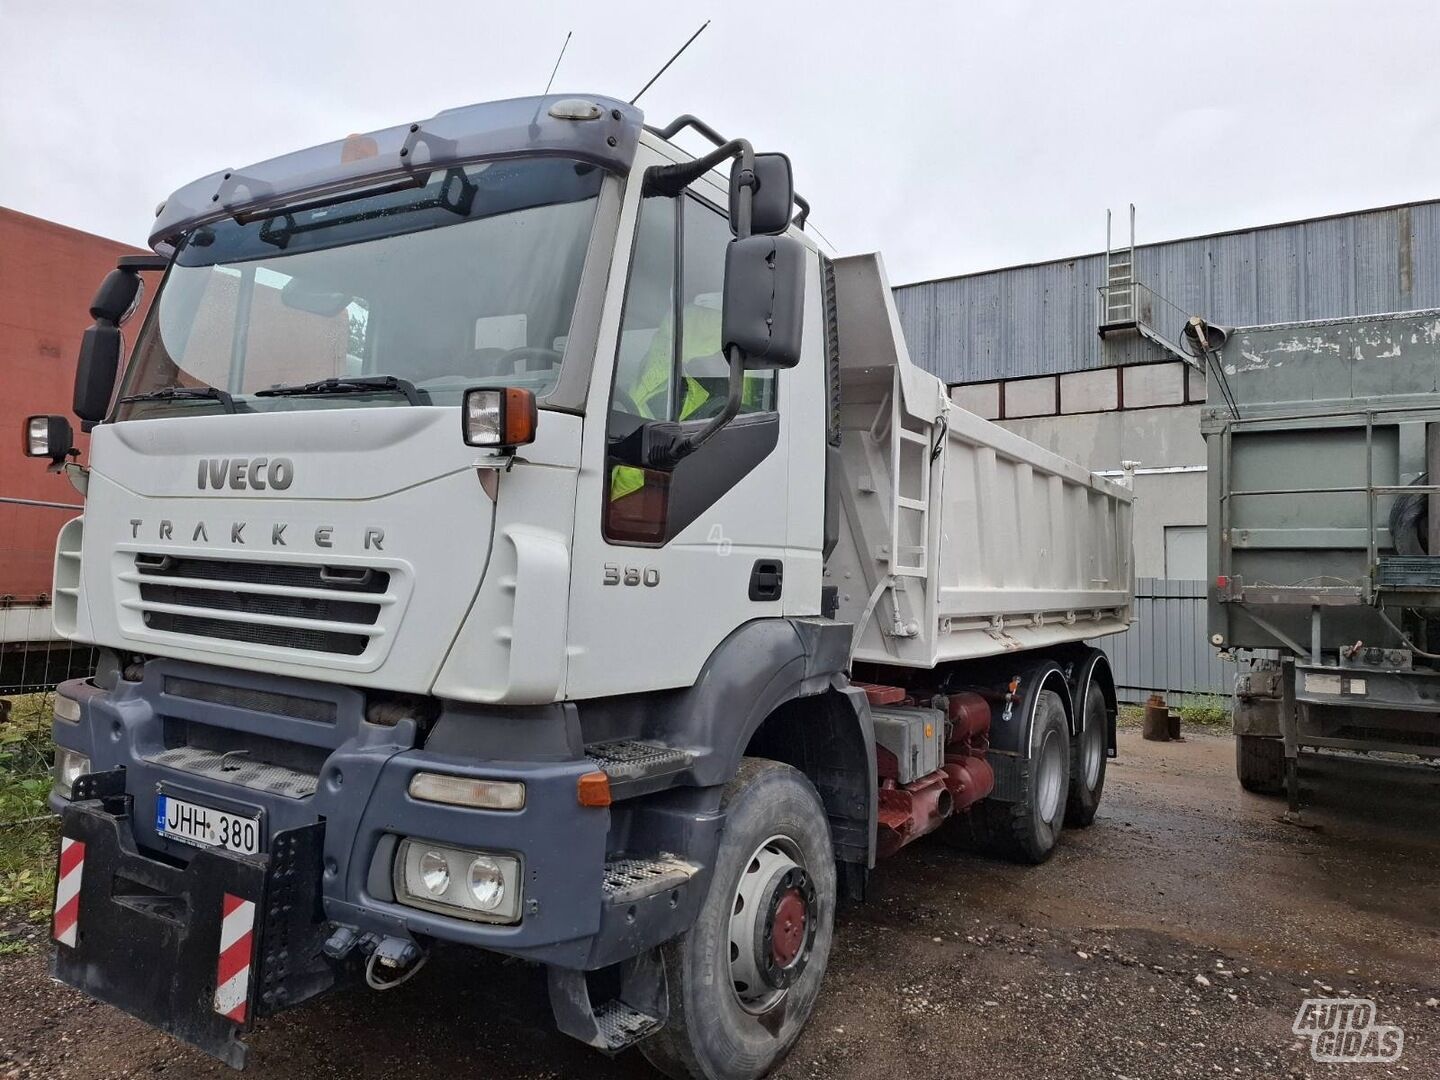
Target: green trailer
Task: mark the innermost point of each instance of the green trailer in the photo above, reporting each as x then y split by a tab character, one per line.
1323	444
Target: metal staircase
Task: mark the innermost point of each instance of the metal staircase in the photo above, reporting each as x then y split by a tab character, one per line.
1127	305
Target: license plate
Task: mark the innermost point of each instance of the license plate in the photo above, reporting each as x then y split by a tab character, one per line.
204	826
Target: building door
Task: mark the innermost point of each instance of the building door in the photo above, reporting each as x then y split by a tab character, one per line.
1185	552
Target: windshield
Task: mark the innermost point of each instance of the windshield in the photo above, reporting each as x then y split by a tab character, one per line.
467	279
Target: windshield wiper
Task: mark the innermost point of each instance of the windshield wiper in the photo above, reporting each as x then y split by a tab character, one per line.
360	384
184	393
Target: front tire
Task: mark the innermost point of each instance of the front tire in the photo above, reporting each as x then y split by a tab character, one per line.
744	978
1087	760
1027	831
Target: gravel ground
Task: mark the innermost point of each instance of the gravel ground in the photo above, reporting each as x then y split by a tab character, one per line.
1177	937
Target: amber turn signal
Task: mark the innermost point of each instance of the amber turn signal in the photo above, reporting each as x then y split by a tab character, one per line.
593	789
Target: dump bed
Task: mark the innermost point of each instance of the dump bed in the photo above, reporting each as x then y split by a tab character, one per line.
958	539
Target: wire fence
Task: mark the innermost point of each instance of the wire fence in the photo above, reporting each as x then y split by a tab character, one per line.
33	657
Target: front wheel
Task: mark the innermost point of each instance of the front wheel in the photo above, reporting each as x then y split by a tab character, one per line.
744	978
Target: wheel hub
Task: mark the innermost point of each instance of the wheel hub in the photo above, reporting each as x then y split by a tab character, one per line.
773	924
788	931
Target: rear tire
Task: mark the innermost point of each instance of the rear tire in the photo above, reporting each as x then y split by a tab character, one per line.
734	1015
1088	755
1260	764
1027	831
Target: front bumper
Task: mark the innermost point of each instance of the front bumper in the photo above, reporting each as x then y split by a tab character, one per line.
200	951
571	914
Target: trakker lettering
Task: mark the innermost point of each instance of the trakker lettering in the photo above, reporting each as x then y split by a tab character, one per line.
372	538
245	474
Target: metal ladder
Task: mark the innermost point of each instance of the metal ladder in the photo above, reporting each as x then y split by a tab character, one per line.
1120	306
908	560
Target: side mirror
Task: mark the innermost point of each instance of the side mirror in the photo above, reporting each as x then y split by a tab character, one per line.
117	298
49	437
764	300
772	197
95	374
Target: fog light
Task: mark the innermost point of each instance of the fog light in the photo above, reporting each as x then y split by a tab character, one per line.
480	885
487	884
468	791
69	766
434	873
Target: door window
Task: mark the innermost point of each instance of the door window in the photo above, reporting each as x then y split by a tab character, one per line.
669	364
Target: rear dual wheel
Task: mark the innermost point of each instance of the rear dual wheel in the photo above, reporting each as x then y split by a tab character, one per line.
1088	755
1028	829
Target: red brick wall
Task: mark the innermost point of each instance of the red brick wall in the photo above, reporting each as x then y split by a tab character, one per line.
48	273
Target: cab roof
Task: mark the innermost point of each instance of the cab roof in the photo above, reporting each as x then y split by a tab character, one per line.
587	127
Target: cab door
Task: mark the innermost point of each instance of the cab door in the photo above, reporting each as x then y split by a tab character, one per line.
668	563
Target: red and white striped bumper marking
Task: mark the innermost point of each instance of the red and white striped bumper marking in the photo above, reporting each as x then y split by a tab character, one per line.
232	973
67	891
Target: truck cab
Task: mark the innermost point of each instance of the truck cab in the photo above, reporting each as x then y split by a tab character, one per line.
463	542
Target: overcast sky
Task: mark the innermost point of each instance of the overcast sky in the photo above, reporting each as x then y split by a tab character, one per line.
953	137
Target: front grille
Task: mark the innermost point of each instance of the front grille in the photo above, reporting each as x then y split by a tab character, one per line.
287	637
242	697
305	607
299	607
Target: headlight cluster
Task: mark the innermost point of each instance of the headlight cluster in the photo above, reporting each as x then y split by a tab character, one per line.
476	885
69	764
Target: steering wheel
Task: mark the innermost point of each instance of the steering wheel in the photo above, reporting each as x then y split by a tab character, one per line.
528	353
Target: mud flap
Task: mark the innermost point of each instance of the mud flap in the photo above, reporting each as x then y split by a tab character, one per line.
197	951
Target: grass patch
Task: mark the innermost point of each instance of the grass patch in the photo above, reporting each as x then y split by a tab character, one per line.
27	829
1196	710
1131	716
1205	710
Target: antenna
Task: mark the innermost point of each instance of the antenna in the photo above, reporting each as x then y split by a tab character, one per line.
565	44
672	59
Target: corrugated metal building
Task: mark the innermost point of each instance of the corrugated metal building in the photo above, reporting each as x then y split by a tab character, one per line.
1041	319
1023	345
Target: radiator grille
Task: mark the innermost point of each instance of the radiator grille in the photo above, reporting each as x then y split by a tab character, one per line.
305	607
242	697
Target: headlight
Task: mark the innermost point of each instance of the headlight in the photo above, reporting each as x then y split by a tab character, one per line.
487	883
68	766
483	886
67	709
435	873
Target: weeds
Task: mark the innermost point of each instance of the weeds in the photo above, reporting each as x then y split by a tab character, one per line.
1205	710
27	831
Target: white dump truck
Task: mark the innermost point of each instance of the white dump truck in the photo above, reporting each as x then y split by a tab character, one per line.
509	532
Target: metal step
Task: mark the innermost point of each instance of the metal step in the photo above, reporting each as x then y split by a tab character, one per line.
621	1026
629	878
1408	572
636	767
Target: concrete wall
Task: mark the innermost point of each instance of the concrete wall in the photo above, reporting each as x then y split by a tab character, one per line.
1165	438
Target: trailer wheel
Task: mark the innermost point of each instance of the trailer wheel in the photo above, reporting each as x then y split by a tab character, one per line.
1087	760
1026	831
1260	764
744	978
